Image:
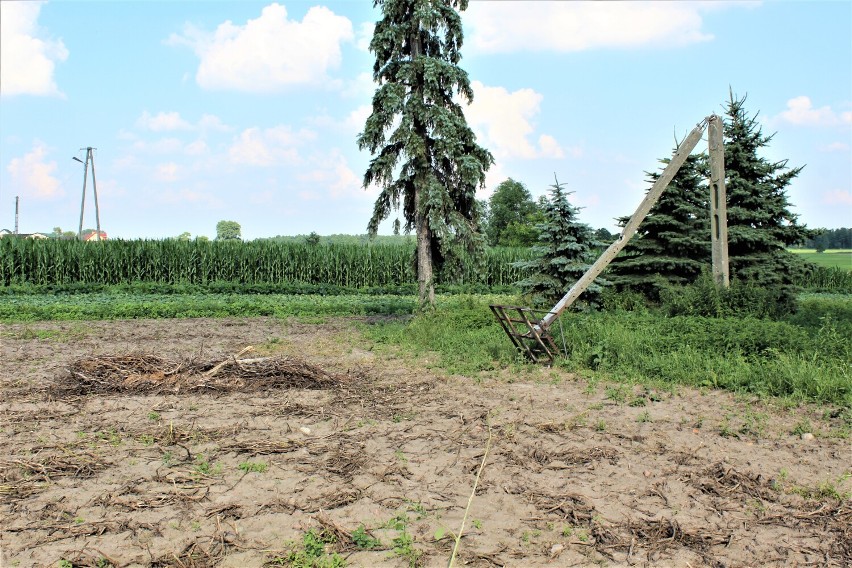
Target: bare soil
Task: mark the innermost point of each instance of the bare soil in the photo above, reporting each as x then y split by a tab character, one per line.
173	465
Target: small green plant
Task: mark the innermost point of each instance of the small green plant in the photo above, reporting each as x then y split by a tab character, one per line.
204	469
600	426
66	564
146	439
154	416
802	427
311	552
403	546
726	430
617	394
254	467
167	458
638	401
477	524
644	417
362	539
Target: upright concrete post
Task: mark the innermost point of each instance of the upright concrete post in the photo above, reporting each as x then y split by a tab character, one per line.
718	199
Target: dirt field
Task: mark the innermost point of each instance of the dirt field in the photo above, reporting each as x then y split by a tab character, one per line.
380	455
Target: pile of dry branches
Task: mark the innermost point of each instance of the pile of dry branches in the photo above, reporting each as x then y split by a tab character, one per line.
153	374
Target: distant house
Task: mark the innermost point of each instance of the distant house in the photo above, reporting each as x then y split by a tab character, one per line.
7	232
95	236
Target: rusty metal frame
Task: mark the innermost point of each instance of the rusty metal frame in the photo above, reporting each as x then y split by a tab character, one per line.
531	340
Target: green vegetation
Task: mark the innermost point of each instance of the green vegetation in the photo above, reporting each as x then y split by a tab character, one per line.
117	305
310	553
829	259
512	217
254	467
672	243
563	252
806	356
261	263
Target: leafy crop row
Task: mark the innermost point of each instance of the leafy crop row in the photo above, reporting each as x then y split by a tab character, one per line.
353	266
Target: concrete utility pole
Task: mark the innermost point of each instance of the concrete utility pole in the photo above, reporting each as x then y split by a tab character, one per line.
718	200
90	157
17	199
533	338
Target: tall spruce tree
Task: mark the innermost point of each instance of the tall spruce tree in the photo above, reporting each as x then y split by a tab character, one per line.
426	159
563	253
672	245
760	223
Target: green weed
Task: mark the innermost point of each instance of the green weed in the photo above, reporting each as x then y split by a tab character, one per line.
253	467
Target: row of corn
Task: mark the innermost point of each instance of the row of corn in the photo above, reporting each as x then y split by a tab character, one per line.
57	262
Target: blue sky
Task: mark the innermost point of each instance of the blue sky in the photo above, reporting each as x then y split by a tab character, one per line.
248	111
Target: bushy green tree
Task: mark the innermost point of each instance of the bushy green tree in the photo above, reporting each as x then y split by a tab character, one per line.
672	245
760	223
512	216
228	230
425	157
564	251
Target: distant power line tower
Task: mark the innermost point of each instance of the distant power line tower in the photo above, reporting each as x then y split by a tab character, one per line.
90	158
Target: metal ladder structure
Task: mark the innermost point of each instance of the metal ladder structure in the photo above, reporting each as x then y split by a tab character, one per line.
531	335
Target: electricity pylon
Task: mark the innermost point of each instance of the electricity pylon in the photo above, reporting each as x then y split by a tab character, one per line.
90	158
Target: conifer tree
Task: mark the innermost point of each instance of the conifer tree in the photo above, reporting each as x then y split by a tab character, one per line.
426	159
760	223
672	245
563	253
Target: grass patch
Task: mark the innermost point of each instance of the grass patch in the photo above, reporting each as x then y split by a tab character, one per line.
805	358
832	258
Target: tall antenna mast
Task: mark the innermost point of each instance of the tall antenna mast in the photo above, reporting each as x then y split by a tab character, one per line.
90	157
16	213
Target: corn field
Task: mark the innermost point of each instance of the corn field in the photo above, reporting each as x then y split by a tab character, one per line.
57	262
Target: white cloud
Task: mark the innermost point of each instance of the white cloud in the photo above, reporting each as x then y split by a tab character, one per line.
800	111
835	147
172	121
550	148
500	27
269	147
32	175
333	177
837	197
356	119
212	122
270	53
365	36
167	172
197	148
504	122
162	122
27	56
361	86
161	146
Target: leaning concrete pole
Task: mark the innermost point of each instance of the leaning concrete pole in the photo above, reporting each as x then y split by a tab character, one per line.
630	228
718	209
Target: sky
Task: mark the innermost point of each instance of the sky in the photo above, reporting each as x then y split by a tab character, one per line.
202	111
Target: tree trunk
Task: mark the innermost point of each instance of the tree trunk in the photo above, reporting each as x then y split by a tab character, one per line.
425	281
